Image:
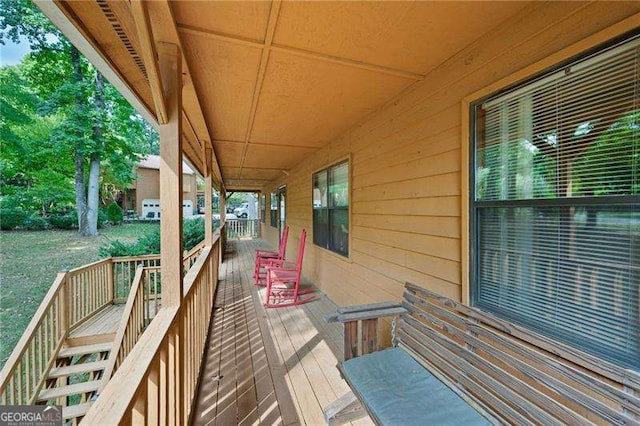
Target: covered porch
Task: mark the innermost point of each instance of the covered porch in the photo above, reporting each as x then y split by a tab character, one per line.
266	366
446	144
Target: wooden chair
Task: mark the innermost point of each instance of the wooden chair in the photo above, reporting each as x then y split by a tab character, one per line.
264	256
283	281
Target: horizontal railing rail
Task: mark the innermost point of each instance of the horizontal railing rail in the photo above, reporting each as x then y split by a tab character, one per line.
191	256
157	381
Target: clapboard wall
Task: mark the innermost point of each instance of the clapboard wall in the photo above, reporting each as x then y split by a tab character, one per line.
406	160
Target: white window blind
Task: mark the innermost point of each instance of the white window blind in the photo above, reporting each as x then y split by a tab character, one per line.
556	207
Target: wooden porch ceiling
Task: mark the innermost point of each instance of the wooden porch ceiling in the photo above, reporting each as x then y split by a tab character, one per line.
268	83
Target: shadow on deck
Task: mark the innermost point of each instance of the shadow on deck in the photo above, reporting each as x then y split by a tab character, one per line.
266	366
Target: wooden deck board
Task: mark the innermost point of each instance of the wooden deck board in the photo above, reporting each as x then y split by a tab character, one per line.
277	366
104	322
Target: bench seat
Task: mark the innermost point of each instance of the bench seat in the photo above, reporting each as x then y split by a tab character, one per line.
397	390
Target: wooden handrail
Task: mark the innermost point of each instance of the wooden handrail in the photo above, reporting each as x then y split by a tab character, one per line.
135	258
117	397
157	381
125	326
50	335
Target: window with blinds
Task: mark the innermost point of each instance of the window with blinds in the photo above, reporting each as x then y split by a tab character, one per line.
331	208
555	213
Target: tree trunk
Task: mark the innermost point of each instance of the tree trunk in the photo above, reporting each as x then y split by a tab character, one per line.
79	184
93	193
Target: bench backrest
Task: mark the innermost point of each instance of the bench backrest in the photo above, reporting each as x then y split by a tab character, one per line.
516	375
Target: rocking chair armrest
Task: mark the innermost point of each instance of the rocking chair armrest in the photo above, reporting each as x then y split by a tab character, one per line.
264	253
280	264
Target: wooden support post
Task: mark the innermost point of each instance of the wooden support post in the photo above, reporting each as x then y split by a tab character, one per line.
350	340
171	176
369	336
208	192
223	203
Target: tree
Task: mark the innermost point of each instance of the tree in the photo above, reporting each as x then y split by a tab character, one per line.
102	129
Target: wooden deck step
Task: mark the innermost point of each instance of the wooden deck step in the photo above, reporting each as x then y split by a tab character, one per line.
91	340
77	369
74	411
85	349
74	389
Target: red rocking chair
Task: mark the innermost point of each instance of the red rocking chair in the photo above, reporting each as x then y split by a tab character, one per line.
264	256
283	281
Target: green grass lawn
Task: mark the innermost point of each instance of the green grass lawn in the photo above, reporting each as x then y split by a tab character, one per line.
29	262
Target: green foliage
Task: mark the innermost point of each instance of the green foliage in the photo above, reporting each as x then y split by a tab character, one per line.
35	222
114	213
64	221
11	218
193	234
49	112
617	151
102	218
146	244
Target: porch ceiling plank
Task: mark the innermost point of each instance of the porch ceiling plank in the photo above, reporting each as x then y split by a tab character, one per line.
195	31
201	32
264	60
348	62
149	55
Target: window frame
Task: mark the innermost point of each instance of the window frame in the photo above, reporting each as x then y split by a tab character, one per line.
327	168
593	45
585	47
273	213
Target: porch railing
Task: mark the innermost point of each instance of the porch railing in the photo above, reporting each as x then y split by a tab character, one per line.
89	290
124	269
157	381
137	314
242	228
74	297
26	369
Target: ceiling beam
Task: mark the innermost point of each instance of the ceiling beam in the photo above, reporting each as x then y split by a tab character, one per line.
213	35
191	30
347	62
165	29
149	56
264	60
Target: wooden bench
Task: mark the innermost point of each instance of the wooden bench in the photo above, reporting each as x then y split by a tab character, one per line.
458	365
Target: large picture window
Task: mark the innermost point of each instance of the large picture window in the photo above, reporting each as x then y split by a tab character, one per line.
331	208
555	211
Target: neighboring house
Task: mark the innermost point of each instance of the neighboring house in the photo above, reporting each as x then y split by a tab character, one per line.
143	198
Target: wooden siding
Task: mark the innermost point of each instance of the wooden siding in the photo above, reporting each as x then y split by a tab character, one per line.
148	187
406	161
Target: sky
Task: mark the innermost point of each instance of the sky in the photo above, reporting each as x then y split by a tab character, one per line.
11	53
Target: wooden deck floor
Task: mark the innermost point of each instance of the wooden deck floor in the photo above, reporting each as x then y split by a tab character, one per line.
267	366
104	322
